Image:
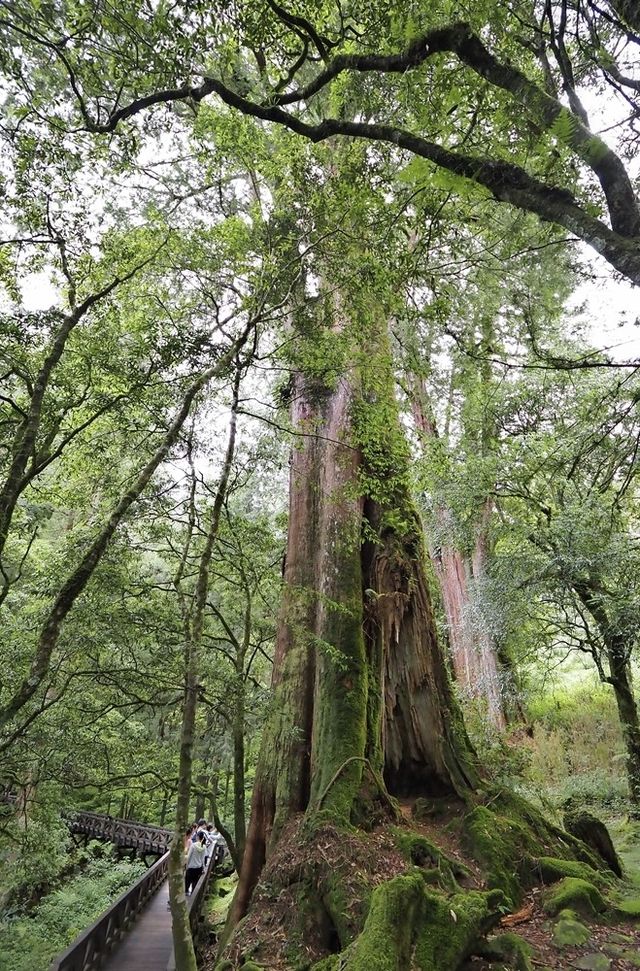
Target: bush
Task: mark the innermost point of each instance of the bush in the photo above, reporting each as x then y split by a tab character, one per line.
577	751
29	943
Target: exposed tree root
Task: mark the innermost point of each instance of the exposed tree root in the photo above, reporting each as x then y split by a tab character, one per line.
339	899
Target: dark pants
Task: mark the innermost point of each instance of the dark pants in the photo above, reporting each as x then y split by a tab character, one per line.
191	877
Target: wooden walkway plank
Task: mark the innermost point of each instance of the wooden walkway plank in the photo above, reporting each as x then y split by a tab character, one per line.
148	945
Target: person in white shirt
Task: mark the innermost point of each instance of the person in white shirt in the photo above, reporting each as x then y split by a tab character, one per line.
195	862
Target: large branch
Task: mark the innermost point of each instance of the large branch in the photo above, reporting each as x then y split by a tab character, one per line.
506	182
628	11
80	576
549	112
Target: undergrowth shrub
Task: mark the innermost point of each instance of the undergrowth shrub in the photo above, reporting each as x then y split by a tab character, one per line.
30	941
577	749
572	749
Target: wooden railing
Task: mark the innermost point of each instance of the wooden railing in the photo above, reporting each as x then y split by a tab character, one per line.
122	832
88	950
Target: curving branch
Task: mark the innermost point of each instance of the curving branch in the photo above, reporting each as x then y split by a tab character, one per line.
550	113
505	181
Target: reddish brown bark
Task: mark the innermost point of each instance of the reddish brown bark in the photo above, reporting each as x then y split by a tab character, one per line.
358	672
473	653
424	742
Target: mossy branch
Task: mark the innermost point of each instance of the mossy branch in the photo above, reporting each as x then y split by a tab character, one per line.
374	775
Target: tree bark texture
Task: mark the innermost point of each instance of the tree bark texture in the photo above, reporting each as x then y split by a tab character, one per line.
359	683
620	676
473	653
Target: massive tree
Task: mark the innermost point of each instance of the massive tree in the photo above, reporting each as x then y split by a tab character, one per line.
363	709
362	700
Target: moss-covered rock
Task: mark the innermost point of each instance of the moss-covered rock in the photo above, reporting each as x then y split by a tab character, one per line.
511	950
568	931
572	893
628	908
592	962
551	870
409	925
417	848
592	831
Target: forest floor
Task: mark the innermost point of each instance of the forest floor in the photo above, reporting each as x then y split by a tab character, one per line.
606	944
611	945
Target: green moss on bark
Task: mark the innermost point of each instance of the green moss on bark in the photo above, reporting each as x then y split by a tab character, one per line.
509	837
502	847
447	940
551	870
438	868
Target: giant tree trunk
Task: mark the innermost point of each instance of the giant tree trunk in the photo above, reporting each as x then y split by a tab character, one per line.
473	652
360	682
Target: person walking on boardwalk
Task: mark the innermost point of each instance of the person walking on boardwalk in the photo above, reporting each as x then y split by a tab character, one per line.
195	862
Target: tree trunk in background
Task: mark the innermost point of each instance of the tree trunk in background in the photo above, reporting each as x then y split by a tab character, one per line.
193	622
358	672
473	653
181	928
618	655
202	783
620	676
238	731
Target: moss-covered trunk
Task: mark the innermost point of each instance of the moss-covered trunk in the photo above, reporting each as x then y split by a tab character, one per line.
281	786
360	683
620	676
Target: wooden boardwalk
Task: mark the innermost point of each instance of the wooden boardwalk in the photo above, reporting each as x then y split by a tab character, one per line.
134	933
148	945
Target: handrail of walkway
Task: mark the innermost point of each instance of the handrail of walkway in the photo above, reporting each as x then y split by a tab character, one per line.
89	949
123	832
